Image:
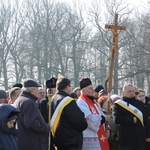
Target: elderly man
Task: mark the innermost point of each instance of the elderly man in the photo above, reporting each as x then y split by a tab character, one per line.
32	129
94	137
132	118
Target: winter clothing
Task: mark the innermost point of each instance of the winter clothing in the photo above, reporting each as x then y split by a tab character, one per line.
32	129
7	140
131	133
72	123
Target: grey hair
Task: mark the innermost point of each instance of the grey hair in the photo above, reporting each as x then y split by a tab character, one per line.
28	89
127	85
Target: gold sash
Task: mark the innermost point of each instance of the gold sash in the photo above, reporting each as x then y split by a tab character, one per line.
57	114
131	109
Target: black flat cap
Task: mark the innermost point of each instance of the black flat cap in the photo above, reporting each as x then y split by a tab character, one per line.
30	83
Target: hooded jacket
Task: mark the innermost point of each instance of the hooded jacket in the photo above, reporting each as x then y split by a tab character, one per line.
7	140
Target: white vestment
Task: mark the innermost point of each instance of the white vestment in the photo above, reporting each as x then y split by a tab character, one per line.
90	136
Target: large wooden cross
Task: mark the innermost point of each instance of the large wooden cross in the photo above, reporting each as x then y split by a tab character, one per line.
114	28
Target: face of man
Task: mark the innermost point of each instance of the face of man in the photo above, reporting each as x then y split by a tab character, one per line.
129	92
41	94
89	90
141	96
35	91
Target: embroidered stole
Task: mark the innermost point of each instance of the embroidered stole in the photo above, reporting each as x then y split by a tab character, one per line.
101	132
135	111
57	114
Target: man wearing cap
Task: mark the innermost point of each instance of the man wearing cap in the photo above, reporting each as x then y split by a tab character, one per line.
43	104
32	129
68	120
3	97
94	137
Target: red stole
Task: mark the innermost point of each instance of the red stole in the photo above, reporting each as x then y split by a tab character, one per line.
101	132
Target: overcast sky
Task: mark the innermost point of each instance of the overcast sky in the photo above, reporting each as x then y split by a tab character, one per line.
137	3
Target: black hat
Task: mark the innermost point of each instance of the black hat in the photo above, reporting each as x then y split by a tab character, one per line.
51	83
98	88
30	83
3	94
84	82
17	85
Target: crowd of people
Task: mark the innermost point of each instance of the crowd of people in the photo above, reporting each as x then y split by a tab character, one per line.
84	118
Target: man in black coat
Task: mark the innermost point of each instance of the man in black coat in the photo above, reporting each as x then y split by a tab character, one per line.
32	129
146	101
43	104
68	135
131	116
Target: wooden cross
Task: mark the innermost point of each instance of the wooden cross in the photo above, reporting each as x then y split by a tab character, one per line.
114	28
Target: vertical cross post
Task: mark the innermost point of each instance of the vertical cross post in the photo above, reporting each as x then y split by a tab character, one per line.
114	28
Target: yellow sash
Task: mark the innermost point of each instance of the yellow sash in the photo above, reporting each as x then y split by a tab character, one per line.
57	114
132	109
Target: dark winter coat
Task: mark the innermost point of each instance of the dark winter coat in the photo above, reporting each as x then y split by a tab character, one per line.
7	140
130	133
43	107
32	129
72	123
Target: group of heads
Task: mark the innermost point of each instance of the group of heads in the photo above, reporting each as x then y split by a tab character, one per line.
11	95
130	91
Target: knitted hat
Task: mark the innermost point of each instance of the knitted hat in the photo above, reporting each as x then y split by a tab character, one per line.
30	83
3	94
51	83
84	82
